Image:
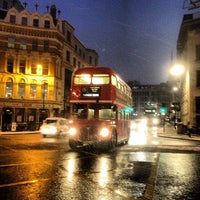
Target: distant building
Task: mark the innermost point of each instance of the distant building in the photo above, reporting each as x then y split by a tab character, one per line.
38	55
188	52
146	97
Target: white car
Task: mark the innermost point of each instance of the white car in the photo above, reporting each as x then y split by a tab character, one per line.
54	127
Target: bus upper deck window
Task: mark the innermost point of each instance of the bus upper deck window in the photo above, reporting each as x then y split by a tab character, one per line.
114	81
82	79
100	79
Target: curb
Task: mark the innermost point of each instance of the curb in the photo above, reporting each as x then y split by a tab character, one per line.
19	132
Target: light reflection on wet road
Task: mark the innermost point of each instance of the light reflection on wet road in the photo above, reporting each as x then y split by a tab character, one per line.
32	168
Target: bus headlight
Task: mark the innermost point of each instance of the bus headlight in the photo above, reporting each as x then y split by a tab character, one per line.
155	121
104	132
72	131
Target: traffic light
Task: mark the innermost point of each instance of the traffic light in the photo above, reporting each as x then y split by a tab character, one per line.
163	109
128	109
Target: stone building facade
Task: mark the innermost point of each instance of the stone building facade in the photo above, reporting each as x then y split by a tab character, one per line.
38	54
188	53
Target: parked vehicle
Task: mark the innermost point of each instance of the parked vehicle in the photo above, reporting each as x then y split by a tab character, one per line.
54	127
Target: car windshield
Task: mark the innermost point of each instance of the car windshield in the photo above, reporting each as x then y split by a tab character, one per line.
50	121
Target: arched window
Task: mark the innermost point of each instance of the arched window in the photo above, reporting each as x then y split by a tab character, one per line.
9	88
44	89
33	89
21	89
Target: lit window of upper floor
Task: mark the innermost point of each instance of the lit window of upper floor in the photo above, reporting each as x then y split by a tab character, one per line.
21	89
11	42
33	89
45	69
22	66
23	44
33	69
44	90
10	65
9	88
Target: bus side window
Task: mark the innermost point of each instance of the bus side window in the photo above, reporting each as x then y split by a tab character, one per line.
119	115
91	113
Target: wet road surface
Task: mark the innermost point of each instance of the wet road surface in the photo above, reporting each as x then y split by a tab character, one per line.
32	167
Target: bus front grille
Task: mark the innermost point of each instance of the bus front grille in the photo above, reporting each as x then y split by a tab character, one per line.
89	133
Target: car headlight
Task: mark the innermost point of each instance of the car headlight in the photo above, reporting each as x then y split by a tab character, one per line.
72	131
48	130
54	130
104	132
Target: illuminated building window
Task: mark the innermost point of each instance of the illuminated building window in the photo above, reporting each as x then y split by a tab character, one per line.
23	44
33	69
9	88
36	22
22	66
24	21
10	64
45	69
44	89
33	89
11	42
21	89
12	19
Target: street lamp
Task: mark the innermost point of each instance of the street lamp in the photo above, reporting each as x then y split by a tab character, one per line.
177	71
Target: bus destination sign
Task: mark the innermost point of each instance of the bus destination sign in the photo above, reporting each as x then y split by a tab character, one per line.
90	91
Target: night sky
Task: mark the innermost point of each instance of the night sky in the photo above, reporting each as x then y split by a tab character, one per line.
134	37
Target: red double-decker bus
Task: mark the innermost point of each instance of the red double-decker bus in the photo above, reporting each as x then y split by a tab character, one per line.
100	107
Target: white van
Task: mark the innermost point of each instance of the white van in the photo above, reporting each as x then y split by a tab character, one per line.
54	127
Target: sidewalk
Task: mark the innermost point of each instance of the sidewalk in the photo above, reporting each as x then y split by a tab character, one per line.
170	132
18	132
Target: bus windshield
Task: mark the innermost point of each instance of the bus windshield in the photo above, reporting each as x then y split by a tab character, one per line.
94	79
94	111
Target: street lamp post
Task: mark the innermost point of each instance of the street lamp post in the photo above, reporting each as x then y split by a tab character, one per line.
177	71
